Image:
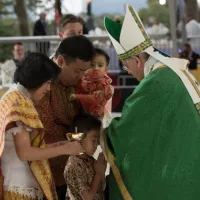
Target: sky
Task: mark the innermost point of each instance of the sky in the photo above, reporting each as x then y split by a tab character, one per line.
98	6
115	6
103	6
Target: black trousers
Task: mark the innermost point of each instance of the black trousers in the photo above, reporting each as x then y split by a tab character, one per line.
61	192
106	191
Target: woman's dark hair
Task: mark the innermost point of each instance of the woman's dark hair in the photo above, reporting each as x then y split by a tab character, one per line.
76	47
101	52
85	123
34	70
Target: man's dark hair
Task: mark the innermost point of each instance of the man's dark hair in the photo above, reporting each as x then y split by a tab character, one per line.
69	18
86	123
101	52
17	43
34	70
187	45
76	47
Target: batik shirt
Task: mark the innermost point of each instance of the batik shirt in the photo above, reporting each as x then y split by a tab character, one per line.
56	112
79	174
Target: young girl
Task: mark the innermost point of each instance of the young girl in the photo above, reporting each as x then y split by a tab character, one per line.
95	89
83	174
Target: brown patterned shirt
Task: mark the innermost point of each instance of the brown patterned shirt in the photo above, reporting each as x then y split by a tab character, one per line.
79	174
56	112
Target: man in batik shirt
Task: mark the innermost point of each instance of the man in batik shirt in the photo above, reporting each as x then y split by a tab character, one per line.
56	110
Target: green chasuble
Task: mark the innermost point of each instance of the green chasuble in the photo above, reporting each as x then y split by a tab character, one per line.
156	142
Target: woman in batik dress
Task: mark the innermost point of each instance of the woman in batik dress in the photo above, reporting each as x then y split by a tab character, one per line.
25	172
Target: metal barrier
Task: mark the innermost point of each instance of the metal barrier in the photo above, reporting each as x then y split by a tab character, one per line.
48	45
123	83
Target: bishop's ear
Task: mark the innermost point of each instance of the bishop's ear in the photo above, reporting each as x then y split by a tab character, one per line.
138	61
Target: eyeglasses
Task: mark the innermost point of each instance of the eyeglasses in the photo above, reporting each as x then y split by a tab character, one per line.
124	67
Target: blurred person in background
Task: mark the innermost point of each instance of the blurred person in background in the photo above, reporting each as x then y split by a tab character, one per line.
9	67
70	25
41	29
192	31
190	55
158	28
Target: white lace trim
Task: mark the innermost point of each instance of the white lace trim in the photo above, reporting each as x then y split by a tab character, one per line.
19	128
20	88
32	192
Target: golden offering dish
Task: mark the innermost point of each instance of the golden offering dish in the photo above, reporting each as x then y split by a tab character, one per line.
76	136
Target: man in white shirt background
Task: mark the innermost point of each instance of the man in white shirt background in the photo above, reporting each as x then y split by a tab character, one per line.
192	32
8	68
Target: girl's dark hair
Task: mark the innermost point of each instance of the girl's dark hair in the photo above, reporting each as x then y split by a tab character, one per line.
85	123
34	70
102	53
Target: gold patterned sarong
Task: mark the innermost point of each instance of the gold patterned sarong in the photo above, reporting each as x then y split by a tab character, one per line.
8	195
